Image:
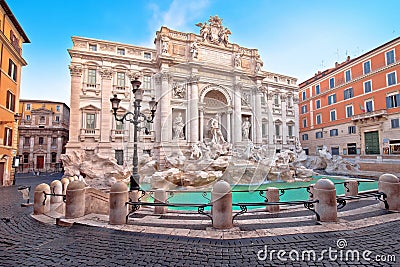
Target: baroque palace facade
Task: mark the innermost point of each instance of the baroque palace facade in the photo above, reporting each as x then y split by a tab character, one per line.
43	133
197	79
12	36
354	108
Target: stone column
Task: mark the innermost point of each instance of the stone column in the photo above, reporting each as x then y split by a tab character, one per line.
258	119
272	194
38	198
351	188
390	185
56	188
201	124
75	115
118	198
59	148
237	125
194	110
105	113
228	125
325	193
75	204
48	153
221	196
284	130
165	112
160	196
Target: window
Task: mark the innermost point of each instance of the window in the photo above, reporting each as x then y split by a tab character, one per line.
276	100
57	118
303	95
54	141
58	108
10	101
120	80
348	93
119	156
90	121
290	130
319	119
121	51
119	125
347	75
367	87
12	70
317	89
53	157
264	128
319	135
331	99
352	148
303	109
349	111
7	136
367	67
390	57
393	101
333	115
92	76
27	141
395	123
351	129
275	79
277	130
147	55
146	82
288	81
369	105
391	78
318	104
28	106
42	119
304	137
304	123
41	140
331	83
334	132
26	158
28	117
92	47
262	100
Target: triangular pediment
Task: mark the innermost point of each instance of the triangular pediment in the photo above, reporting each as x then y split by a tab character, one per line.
90	107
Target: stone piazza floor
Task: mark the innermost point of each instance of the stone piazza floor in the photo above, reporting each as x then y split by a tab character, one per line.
364	236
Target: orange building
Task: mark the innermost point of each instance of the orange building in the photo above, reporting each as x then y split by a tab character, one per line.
354	108
11	62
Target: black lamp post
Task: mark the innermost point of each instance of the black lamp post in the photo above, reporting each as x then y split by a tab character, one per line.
136	117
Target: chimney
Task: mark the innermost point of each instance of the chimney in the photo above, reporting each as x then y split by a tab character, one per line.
336	64
348	58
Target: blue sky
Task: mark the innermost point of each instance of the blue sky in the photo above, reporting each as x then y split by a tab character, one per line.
295	38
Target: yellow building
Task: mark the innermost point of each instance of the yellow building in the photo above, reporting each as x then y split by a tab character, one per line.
43	133
12	37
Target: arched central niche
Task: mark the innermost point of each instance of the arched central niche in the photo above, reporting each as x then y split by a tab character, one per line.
216	106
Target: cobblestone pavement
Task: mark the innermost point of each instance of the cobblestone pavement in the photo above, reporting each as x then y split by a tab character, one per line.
27	242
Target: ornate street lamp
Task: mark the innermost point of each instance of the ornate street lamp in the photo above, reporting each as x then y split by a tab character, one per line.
136	117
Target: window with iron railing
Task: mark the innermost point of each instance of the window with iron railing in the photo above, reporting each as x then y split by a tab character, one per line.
91	77
120	80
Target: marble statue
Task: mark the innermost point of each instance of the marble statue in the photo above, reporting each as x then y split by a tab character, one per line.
178	90
246	129
216	132
259	64
164	45
178	127
237	60
194	49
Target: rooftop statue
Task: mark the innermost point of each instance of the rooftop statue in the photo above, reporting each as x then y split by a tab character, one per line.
213	31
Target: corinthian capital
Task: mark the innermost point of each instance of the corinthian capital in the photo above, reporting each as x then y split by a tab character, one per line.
75	70
106	74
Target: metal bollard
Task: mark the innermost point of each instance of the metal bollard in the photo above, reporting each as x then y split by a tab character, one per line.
75	203
390	185
118	208
351	188
39	198
272	194
160	196
56	188
325	193
222	205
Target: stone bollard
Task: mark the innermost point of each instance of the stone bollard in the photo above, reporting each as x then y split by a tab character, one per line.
38	198
325	193
351	188
75	205
65	182
71	179
160	196
390	185
118	197
222	205
310	191
272	194
56	188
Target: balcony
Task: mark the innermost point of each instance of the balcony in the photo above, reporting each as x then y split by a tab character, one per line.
377	114
291	139
87	87
117	89
119	134
90	133
277	139
290	112
277	110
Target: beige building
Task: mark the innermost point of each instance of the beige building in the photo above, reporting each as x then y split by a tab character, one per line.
43	133
199	80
